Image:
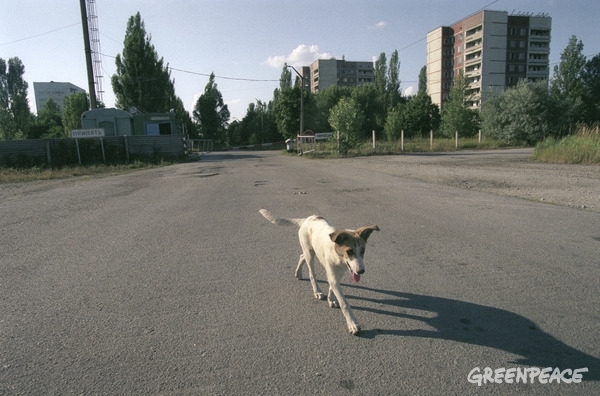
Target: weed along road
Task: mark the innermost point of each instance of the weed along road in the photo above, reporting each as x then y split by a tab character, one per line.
169	281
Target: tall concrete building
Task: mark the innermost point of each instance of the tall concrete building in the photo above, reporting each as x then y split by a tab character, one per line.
323	73
493	49
54	90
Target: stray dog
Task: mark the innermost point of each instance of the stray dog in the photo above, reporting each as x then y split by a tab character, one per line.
337	250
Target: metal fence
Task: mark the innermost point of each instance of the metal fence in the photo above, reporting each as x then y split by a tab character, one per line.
70	151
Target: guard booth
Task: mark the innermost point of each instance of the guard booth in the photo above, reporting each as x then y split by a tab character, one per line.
155	124
115	122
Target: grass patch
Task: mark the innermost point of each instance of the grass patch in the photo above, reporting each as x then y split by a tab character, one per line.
20	175
580	148
416	145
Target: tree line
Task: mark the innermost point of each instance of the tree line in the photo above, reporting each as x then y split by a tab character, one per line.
526	113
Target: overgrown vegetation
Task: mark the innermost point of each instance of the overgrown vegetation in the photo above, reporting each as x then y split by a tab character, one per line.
580	148
19	175
415	145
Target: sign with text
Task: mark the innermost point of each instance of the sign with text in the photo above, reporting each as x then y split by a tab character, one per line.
87	133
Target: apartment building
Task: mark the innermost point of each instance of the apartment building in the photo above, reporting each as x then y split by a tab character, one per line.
323	73
493	49
55	90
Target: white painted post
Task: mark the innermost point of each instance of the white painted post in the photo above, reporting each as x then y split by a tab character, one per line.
480	136
373	139
456	140
431	140
402	140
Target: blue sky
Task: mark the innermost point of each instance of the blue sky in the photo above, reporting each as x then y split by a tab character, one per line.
246	42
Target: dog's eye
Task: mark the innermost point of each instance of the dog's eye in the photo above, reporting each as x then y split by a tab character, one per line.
350	253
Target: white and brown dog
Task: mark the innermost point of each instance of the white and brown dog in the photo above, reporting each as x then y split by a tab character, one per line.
337	250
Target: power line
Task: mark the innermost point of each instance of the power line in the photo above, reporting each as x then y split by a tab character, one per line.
41	34
208	74
223	77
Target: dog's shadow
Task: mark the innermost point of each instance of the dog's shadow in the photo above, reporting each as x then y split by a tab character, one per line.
475	324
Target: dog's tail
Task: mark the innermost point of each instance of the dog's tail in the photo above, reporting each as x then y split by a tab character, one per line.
279	220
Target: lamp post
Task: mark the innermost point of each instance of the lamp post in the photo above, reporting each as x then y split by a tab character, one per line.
301	99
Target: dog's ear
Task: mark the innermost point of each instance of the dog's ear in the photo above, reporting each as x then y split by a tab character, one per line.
338	237
365	232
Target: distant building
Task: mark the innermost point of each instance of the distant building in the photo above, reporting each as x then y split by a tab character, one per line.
323	73
492	48
55	90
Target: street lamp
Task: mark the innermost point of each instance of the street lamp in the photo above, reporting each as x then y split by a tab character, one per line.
301	99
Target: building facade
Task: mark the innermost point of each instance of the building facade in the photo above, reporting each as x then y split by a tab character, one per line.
324	73
55	90
494	50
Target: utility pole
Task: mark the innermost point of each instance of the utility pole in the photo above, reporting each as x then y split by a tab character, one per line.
88	55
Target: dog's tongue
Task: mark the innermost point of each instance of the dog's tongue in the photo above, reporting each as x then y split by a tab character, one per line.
355	277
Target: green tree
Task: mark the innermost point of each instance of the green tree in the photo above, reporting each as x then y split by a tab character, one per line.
591	97
381	74
455	114
74	106
49	120
15	114
394	124
141	80
423	80
369	101
393	80
347	118
211	113
567	86
324	100
420	115
287	112
521	114
286	105
184	121
567	79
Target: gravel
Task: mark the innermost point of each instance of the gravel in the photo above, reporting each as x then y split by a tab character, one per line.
510	172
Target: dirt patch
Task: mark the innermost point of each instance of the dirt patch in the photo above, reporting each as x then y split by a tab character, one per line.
504	172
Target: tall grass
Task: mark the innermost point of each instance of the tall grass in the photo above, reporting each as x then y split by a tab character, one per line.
416	145
16	175
580	148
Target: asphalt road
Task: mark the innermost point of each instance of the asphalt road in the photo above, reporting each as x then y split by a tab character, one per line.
169	281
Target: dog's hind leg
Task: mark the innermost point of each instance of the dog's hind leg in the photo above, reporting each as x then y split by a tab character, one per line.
298	273
309	259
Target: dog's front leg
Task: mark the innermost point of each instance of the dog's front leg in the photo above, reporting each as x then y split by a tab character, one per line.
351	322
331	299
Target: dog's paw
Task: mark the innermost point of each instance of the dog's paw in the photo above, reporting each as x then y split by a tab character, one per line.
298	274
333	304
320	296
353	328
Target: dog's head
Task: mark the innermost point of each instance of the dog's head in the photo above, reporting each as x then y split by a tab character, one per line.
350	245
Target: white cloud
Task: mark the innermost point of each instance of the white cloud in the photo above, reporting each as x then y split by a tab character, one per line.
410	91
378	25
302	55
